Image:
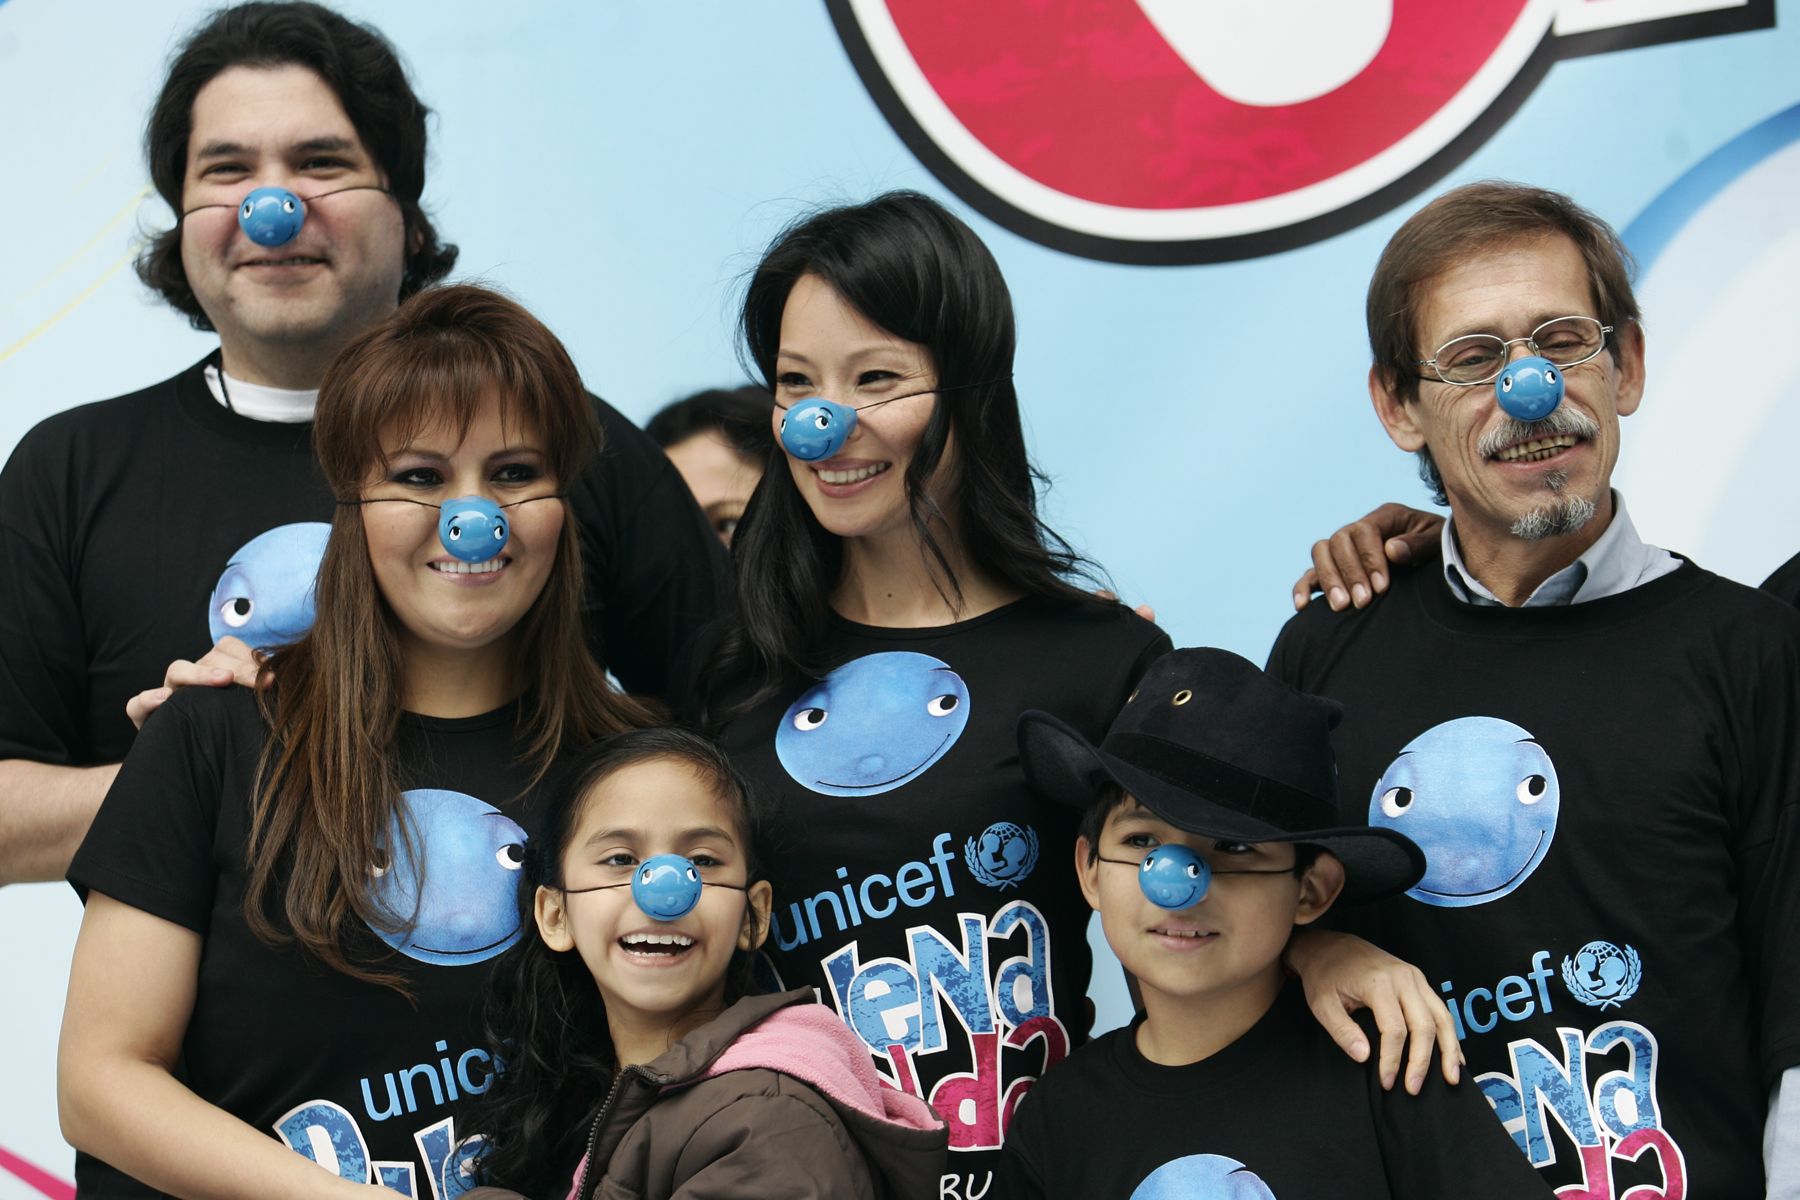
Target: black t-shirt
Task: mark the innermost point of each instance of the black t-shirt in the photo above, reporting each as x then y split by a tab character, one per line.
350	1074
1785	582
138	530
920	885
1281	1112
1608	797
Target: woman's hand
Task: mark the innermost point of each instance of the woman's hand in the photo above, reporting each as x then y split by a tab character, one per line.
1350	566
1342	973
229	662
131	993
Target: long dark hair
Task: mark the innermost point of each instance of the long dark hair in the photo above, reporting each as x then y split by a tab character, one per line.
327	793
912	268
356	62
544	1017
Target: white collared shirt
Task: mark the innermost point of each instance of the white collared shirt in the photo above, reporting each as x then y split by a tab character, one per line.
1617	562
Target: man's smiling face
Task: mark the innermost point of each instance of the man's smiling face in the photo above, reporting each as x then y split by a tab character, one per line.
1507	479
284	127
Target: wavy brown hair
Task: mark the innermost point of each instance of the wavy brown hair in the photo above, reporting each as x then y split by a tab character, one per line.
327	790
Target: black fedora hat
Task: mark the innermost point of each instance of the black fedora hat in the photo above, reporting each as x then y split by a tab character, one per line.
1212	745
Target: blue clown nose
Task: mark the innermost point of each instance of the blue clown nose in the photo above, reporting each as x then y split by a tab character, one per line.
1530	389
271	216
472	529
815	429
666	887
1174	877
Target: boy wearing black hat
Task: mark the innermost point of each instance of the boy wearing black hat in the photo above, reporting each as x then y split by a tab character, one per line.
1211	832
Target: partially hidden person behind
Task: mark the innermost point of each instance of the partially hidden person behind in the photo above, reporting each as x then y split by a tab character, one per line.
642	1059
1210	833
286	103
719	440
295	894
900	603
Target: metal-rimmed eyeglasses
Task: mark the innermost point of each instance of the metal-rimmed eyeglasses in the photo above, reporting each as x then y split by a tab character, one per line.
1480	357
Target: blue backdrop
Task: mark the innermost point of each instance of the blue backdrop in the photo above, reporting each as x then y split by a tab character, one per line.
618	166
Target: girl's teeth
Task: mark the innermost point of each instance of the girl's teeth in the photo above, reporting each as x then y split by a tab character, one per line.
463	568
657	939
853	476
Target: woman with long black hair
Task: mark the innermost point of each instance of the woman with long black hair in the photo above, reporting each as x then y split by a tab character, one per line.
900	603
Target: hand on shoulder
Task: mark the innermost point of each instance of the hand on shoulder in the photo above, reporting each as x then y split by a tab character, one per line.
229	662
1351	566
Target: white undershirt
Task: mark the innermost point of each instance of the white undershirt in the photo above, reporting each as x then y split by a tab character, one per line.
259	403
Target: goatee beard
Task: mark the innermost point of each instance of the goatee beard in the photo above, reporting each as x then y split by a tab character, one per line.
1564	515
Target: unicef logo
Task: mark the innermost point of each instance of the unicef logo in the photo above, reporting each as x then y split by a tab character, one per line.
1003	855
1602	975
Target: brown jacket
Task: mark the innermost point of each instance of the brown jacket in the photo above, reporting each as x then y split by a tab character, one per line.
774	1098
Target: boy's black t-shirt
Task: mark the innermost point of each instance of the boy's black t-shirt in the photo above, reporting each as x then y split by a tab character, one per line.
351	1074
140	529
921	887
1280	1113
1608	797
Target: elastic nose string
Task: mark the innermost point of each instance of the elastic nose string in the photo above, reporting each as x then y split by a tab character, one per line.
665	887
817	428
471	529
1175	877
272	216
1529	389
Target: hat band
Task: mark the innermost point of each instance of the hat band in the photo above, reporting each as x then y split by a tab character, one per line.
1268	800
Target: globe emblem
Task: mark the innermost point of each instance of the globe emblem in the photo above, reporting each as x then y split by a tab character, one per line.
1002	855
1602	975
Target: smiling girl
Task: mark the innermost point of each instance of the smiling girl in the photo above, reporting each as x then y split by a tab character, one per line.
636	1050
300	887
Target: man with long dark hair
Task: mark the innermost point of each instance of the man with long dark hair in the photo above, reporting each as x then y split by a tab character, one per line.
140	529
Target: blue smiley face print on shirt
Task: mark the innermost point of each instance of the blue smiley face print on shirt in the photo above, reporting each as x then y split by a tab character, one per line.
468	853
1480	798
265	595
873	724
1202	1177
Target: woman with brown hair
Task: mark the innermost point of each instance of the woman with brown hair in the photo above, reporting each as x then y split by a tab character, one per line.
300	888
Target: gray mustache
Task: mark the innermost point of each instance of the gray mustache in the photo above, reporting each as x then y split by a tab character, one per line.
1565	420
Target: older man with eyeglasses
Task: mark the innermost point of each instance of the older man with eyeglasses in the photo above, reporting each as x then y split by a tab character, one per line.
1593	740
